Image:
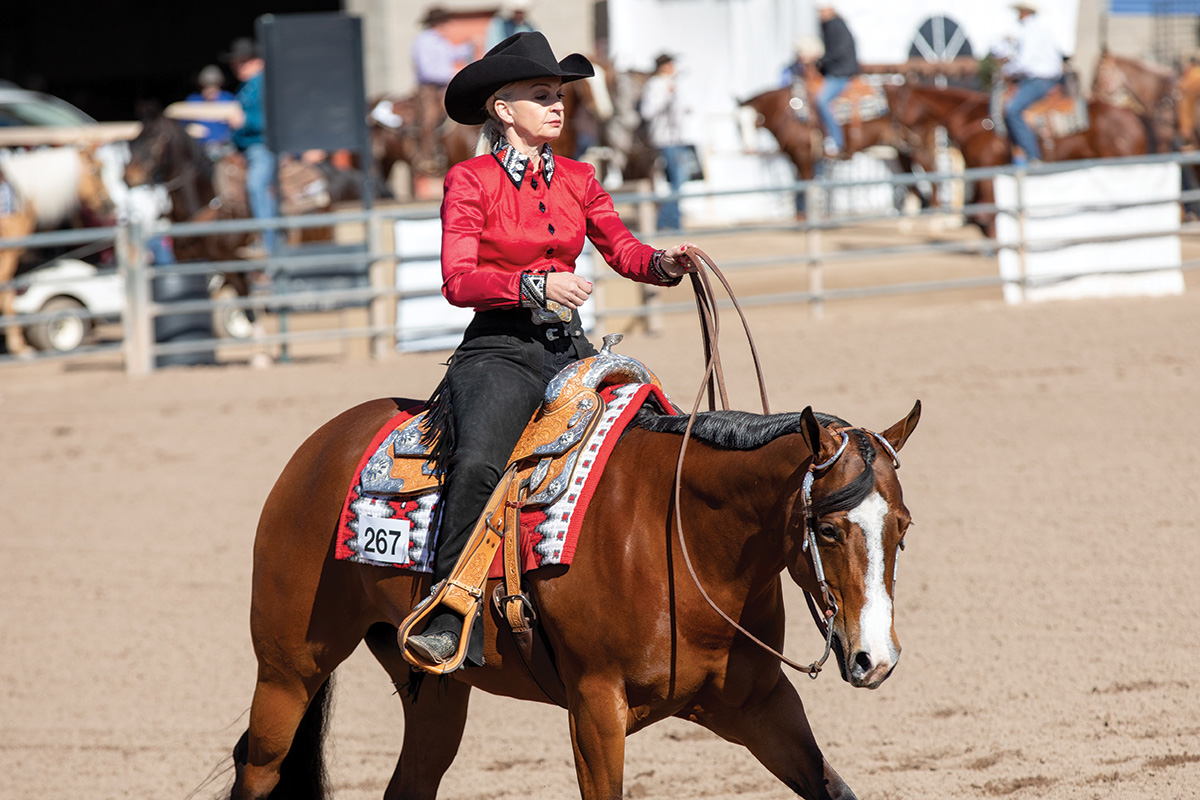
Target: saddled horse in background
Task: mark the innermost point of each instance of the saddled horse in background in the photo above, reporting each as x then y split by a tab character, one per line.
200	190
395	136
45	190
800	135
633	640
1149	90
1112	132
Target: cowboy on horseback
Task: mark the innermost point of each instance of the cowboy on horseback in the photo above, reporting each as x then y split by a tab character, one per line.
838	65
1035	66
513	222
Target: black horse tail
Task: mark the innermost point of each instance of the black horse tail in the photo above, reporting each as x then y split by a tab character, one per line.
303	775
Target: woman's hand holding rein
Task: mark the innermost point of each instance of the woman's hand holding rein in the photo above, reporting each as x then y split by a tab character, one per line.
572	291
674	261
567	289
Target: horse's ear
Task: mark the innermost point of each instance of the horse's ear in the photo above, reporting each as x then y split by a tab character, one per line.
898	434
816	437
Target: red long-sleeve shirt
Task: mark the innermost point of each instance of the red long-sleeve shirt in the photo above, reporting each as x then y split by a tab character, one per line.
493	229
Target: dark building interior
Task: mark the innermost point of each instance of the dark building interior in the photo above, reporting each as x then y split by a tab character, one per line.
107	57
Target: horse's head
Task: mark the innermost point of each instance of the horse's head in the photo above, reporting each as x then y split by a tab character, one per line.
93	194
851	528
159	151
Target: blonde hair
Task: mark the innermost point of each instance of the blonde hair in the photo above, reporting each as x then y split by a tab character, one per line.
493	129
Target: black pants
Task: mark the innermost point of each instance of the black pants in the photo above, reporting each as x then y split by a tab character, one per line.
494	383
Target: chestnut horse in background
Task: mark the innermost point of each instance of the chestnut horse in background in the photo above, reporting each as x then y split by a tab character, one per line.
631	635
45	190
801	140
963	113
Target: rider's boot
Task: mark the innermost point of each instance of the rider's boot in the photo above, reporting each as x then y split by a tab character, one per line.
439	641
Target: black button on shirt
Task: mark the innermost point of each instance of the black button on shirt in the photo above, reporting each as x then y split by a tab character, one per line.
533	182
542	207
550	228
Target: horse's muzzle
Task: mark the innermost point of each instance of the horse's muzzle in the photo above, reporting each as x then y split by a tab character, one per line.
863	669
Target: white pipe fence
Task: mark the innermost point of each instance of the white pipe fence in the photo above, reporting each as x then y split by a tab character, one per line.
374	268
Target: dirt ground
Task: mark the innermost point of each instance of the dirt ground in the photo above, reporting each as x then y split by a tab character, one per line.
1047	602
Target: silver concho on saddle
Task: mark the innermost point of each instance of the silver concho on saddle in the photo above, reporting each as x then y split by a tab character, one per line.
544	464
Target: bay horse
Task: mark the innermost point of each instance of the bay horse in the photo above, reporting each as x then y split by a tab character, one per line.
1113	132
1147	89
632	638
395	136
45	190
201	190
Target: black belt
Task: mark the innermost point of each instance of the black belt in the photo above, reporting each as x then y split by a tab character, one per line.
519	322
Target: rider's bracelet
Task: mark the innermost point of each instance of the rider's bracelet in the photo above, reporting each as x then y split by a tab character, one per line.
533	289
659	273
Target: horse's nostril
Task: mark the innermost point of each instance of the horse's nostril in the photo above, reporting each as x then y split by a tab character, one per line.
862	662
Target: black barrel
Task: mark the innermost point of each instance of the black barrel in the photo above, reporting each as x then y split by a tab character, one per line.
172	287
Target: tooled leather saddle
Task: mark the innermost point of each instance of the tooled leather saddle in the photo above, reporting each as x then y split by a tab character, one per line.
541	469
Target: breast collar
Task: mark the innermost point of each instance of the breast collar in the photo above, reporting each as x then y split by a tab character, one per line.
515	163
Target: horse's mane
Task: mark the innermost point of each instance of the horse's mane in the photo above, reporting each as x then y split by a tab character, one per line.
178	137
725	430
48	179
741	430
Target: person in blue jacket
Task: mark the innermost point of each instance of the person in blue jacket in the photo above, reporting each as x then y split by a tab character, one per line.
249	135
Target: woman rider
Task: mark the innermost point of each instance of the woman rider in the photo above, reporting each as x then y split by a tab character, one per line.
513	222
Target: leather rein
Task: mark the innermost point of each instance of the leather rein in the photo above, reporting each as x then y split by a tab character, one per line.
713	383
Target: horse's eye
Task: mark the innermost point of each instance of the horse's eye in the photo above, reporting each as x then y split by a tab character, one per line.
829	532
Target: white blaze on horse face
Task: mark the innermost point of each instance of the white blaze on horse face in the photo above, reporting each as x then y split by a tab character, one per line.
875	619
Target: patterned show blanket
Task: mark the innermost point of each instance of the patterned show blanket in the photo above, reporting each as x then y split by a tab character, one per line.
383	529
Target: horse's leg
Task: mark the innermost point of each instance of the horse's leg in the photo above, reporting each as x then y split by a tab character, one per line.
433	722
13	226
775	729
598	713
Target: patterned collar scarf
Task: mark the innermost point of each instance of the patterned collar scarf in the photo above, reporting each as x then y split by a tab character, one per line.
515	164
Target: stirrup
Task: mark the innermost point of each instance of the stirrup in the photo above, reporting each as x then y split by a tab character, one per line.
462	592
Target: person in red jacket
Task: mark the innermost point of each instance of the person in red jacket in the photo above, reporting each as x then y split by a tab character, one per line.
514	220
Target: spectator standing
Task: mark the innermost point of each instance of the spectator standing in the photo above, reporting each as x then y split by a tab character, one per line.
1034	66
838	65
661	112
435	60
512	17
249	135
217	133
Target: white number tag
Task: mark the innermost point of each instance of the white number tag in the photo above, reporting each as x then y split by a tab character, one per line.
385	539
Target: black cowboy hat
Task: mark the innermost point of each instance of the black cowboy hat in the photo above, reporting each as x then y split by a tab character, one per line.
242	49
520	57
435	16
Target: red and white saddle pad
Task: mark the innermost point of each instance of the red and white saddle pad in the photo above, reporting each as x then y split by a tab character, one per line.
382	528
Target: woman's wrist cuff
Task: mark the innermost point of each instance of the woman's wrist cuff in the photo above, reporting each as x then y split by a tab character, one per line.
533	289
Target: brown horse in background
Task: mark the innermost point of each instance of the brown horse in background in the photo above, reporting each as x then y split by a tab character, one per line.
632	637
963	113
801	140
395	132
1147	89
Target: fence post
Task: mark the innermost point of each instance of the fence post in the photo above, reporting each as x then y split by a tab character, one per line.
814	213
648	227
135	317
1022	244
381	275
